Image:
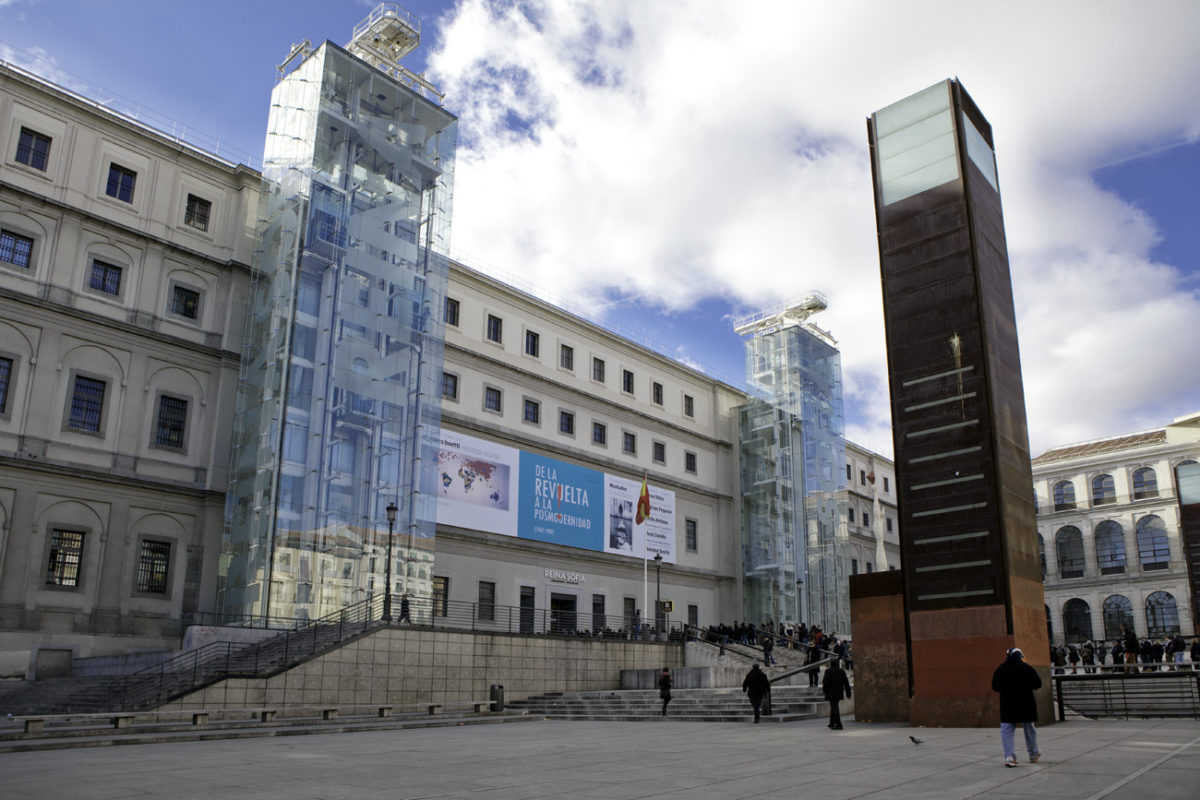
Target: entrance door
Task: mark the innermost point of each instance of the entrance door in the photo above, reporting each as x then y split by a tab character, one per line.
527	609
562	613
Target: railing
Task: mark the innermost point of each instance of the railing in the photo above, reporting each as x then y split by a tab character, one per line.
1124	695
781	649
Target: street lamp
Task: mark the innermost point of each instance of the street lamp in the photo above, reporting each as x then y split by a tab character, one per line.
658	591
387	593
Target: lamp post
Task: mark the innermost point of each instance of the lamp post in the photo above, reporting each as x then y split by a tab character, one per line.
658	593
387	592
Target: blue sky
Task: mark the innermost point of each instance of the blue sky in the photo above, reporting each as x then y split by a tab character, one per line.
671	166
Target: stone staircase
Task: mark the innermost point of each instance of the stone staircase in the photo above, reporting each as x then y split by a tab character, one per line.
788	704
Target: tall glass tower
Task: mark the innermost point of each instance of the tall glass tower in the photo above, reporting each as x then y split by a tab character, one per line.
796	543
338	408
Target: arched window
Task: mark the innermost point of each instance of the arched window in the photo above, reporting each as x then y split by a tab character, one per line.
1110	548
1104	491
1077	621
1145	483
1118	615
1162	615
1068	546
1183	463
1042	558
1064	495
1153	550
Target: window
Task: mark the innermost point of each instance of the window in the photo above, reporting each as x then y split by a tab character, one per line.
449	386
599	621
33	149
566	422
105	277
629	443
450	312
1068	543
691	543
16	249
1145	483
1042	555
689	462
870	567
1110	548
120	183
1153	550
153	562
1064	496
1077	621
656	393
689	406
598	369
885	485
172	422
533	411
532	344
627	381
566	356
185	302
659	451
66	556
849	472
487	600
491	399
495	329
693	615
862	477
6	369
1103	490
850	514
888	524
599	433
1118	616
197	212
866	520
853	566
441	595
1162	615
87	404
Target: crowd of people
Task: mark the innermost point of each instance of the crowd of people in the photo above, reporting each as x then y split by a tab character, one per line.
1144	654
813	641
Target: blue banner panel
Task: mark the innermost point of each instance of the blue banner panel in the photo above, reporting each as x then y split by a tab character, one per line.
560	503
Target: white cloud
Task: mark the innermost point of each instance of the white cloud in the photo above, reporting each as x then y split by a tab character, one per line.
683	150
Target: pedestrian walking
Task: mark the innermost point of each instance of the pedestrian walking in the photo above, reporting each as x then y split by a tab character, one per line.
664	688
836	687
1016	681
768	645
404	617
756	686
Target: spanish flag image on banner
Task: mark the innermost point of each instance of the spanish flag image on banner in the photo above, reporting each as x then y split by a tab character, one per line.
643	504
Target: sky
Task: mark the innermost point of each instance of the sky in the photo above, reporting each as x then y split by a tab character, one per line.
670	166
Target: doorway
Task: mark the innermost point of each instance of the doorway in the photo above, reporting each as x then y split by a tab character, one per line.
563	613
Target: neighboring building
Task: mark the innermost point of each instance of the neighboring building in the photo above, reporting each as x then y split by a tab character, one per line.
795	536
871	511
124	268
1109	534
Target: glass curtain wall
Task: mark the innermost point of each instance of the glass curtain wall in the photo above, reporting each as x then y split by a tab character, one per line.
338	411
796	545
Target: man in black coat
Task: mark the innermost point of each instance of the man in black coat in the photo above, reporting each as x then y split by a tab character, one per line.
664	688
756	686
836	686
1016	681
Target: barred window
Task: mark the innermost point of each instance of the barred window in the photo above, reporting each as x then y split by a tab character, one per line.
451	312
689	462
185	302
598	369
441	594
6	366
566	422
197	213
599	433
87	404
66	555
449	386
487	600
533	411
105	277
690	536
153	563
16	249
689	406
172	422
533	344
495	328
566	357
491	399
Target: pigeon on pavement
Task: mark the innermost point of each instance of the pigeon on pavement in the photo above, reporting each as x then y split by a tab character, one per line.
915	740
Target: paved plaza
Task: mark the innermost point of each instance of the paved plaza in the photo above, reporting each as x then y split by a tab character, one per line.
1082	759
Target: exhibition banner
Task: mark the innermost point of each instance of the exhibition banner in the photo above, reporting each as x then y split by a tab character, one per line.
490	487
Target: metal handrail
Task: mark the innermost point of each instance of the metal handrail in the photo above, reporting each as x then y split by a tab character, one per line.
1125	695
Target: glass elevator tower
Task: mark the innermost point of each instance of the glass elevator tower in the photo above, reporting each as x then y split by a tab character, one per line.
338	407
796	545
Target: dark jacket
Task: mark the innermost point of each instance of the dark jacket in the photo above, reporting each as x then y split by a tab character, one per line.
1016	681
756	685
664	685
835	684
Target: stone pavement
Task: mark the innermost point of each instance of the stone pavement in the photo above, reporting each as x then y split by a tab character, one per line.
1083	759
